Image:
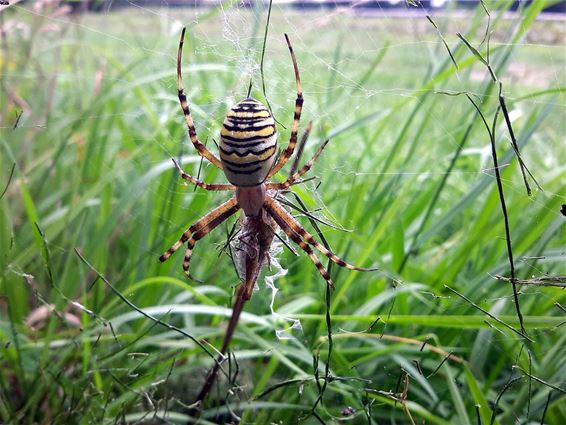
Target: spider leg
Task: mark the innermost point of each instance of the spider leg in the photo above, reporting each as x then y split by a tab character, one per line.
296	118
294	177
200	229
200	183
202	150
284	219
300	149
303	245
188	254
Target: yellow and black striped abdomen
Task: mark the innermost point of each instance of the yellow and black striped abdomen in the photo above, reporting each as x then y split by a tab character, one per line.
248	142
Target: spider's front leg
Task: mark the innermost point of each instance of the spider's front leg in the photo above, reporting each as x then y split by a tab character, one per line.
305	240
200	229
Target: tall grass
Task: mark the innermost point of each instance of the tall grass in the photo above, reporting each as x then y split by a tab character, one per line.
433	336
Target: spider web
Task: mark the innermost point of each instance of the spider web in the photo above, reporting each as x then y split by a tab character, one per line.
234	36
335	48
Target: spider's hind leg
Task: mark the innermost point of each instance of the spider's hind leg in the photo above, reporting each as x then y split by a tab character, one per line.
288	152
202	150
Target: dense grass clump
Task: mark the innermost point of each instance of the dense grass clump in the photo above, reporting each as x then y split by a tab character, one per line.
90	199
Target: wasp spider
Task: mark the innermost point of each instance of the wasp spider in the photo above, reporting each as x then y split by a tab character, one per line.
248	145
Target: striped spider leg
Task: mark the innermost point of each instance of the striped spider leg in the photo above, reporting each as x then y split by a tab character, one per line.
305	240
200	229
292	227
248	145
202	150
288	152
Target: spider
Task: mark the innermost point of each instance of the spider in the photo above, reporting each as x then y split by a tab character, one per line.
248	145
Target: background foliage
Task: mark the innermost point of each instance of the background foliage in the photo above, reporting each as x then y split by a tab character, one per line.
89	122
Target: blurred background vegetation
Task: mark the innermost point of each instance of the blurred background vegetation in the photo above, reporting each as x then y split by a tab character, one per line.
89	120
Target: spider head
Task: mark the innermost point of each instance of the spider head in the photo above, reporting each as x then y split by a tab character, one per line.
248	143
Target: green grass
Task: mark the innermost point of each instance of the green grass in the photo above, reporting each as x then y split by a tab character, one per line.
408	170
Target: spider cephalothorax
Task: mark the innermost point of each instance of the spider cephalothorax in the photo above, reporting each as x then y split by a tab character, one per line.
248	144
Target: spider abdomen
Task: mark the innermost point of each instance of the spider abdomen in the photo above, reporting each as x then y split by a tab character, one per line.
248	143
